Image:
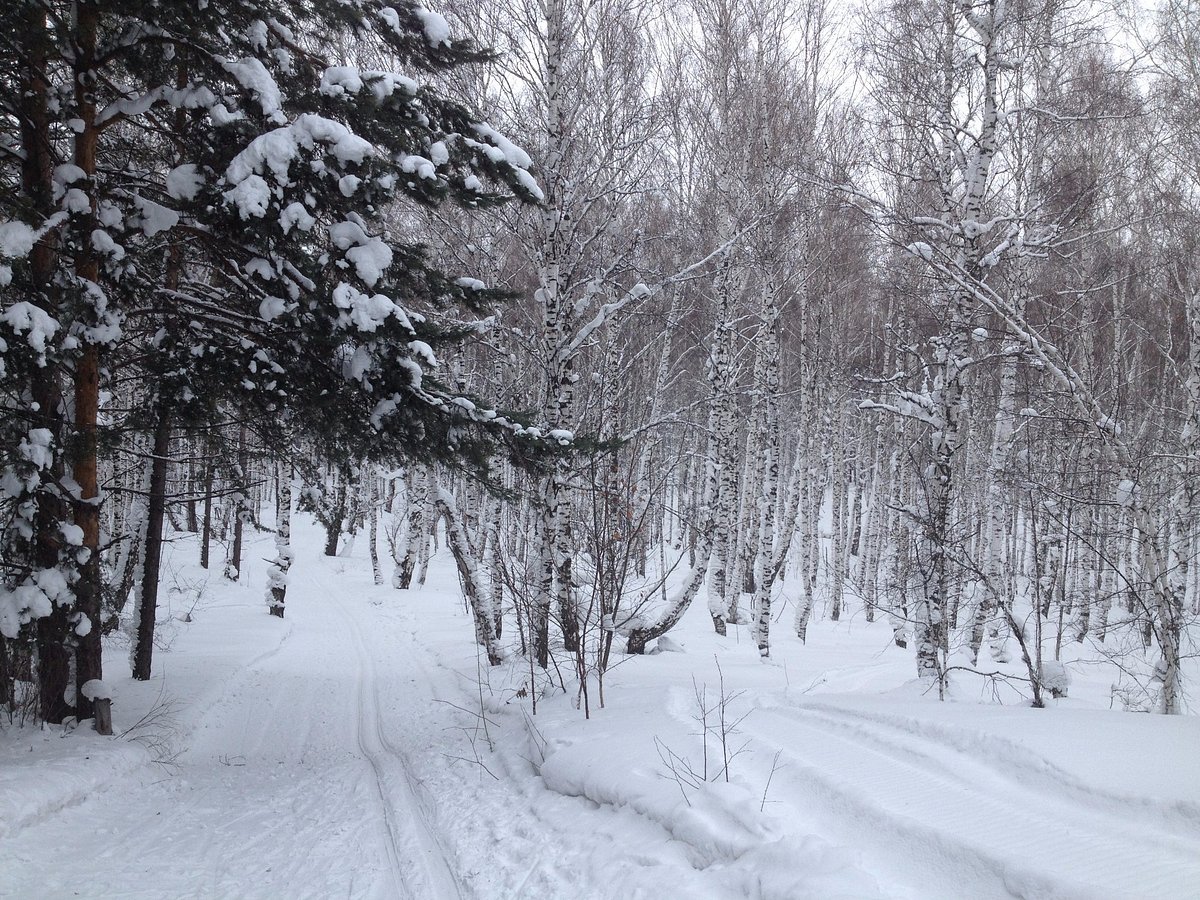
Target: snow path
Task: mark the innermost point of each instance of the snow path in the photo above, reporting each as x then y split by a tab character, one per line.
986	829
430	873
287	778
333	763
512	837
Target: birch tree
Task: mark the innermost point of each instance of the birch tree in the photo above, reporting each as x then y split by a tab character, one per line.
946	83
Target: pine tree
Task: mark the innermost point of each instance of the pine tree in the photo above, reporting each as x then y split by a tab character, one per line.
199	190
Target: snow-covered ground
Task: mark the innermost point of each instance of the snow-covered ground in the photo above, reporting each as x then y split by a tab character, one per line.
361	748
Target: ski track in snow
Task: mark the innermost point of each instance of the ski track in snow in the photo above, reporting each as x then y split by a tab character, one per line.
977	830
515	838
432	874
287	786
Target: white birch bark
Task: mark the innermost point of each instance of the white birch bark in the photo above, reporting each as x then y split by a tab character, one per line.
373	525
996	506
472	577
723	436
837	550
768	477
277	573
417	537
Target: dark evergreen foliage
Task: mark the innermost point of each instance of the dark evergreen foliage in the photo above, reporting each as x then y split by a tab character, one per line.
204	209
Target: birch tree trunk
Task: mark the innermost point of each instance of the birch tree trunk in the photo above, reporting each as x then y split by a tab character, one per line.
373	526
723	431
995	505
277	572
768	478
474	584
837	555
418	494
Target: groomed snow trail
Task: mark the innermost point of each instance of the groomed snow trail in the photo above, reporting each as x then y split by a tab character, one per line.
325	756
287	786
418	860
981	822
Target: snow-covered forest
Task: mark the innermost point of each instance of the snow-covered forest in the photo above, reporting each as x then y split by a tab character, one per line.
599	448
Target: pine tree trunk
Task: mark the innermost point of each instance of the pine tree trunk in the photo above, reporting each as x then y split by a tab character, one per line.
206	531
52	633
192	519
233	566
151	554
88	662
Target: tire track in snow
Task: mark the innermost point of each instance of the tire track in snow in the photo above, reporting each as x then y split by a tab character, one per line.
439	882
967	832
985	757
